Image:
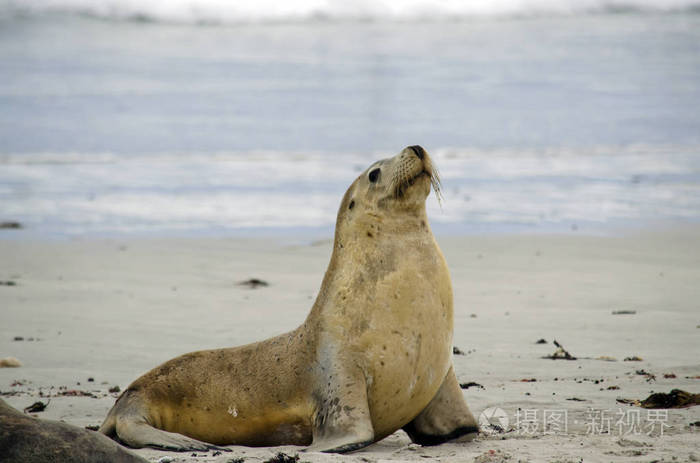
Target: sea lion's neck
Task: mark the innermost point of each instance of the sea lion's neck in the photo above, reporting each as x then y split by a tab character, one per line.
377	225
373	243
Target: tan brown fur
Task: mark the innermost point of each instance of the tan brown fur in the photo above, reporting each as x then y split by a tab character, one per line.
373	356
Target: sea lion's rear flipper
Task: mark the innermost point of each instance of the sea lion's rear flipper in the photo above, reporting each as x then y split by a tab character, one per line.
126	421
447	416
341	422
140	434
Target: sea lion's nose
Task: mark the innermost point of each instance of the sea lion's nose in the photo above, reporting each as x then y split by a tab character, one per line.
418	150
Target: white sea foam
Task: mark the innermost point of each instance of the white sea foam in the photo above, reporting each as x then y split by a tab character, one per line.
224	11
271	190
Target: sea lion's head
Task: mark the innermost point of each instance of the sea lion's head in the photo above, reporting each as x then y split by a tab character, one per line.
392	187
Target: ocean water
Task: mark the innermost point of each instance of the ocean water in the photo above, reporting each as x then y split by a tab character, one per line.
123	117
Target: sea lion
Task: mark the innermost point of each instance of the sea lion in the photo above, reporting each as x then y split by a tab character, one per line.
373	356
24	439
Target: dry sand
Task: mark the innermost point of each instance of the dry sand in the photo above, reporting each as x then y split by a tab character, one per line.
111	309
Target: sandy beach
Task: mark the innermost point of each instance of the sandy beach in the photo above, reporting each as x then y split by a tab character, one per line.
154	155
86	315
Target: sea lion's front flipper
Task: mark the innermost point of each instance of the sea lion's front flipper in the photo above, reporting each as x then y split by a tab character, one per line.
447	416
341	421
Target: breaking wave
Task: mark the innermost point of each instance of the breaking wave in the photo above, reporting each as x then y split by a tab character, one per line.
264	11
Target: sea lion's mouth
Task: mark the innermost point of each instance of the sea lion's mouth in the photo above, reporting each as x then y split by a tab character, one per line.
428	172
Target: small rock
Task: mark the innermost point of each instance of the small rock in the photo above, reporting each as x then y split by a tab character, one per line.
91	380
650	377
114	389
10	362
457	351
283	458
165	460
624	312
541	341
634	358
627	442
8	283
10	225
18	338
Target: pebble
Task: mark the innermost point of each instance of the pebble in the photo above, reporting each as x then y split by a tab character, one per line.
10	362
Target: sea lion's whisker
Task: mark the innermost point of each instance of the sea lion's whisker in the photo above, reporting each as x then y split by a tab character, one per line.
399	182
436	184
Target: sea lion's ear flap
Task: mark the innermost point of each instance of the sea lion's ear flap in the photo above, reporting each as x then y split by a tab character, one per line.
446	417
348	202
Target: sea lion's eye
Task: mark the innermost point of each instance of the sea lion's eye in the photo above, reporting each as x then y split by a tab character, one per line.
374	175
352	204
